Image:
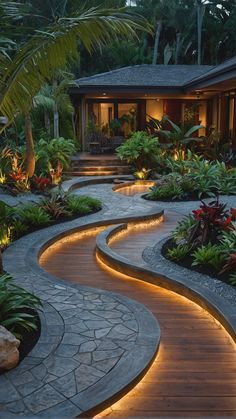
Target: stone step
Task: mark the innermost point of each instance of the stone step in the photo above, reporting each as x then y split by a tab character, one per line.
99	168
94	163
102	171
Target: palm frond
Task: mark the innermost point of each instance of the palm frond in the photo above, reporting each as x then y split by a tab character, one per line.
47	51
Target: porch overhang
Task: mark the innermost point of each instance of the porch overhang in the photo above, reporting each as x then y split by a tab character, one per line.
139	90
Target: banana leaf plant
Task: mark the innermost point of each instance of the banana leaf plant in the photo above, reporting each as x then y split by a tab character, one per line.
178	139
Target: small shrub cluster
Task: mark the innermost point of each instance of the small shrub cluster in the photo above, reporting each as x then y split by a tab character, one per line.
59	206
207	239
195	179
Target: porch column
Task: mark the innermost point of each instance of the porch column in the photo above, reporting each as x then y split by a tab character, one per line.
234	127
83	123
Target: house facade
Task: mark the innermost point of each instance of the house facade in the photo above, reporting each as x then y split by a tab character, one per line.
193	94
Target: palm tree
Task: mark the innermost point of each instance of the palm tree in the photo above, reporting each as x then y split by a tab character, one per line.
54	99
44	52
217	8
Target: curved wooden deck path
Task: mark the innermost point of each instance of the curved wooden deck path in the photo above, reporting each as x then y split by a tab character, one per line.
194	373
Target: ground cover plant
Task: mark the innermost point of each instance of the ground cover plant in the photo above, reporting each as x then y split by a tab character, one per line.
194	178
58	207
206	241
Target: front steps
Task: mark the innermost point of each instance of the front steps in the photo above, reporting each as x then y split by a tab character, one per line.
98	166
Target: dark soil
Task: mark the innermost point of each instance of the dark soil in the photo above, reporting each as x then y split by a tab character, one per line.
188	260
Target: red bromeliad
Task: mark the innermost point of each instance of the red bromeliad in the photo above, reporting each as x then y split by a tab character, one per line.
211	219
42	182
18	176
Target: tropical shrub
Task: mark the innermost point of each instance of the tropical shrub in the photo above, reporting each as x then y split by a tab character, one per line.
197	179
210	233
53	156
139	150
15	307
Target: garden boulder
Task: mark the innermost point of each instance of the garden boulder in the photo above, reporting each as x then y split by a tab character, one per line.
9	354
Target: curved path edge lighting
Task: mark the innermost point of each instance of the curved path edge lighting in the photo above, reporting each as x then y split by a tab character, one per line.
26	389
168	277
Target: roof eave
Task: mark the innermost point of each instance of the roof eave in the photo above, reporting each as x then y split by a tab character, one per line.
127	89
211	79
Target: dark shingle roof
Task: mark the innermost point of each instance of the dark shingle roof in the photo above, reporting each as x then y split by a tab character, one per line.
215	71
146	75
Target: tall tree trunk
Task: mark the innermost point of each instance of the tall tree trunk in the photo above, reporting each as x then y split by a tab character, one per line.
178	47
30	156
55	113
157	42
56	121
47	121
200	15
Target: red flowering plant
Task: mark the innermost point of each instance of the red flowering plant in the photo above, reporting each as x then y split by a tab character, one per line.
20	180
41	183
230	264
211	220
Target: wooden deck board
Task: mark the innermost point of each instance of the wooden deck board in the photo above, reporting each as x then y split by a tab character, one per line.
194	374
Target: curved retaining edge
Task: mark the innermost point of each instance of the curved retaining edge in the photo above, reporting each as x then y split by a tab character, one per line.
133	182
80	182
200	295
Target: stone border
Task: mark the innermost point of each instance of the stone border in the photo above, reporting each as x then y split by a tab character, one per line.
116	188
129	369
79	182
169	277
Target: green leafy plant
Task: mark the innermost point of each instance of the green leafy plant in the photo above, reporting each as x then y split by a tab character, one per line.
33	215
209	255
179	252
15	304
139	150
